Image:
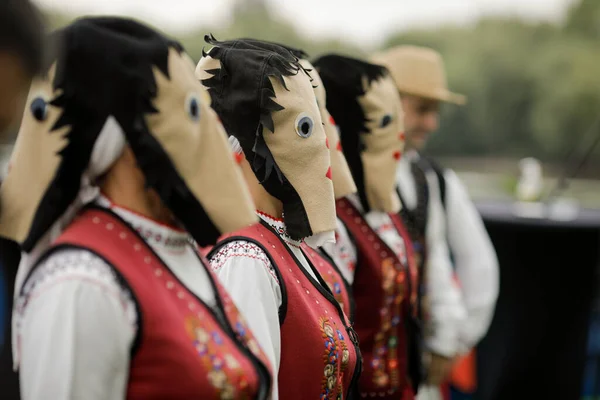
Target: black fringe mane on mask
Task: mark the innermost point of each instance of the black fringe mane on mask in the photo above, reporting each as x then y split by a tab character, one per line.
243	96
255	94
105	67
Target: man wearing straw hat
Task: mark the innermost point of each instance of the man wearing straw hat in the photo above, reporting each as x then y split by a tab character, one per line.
441	217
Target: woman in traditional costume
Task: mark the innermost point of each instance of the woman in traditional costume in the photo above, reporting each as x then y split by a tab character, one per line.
267	104
366	107
126	166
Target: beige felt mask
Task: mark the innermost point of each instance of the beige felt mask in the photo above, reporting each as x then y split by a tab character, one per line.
187	130
300	150
383	144
33	164
343	184
198	146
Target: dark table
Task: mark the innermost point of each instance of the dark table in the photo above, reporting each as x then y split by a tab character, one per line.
536	345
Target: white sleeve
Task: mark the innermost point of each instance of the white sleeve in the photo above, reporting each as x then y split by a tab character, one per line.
475	260
446	307
75	328
342	252
247	274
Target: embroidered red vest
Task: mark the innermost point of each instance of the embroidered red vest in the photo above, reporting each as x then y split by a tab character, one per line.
319	357
411	258
332	277
380	290
183	349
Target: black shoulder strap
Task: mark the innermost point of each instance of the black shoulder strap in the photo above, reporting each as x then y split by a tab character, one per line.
416	219
439	173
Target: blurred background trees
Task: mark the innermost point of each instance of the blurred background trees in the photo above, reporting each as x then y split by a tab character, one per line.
533	89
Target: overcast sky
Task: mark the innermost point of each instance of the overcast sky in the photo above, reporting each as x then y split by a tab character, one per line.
364	21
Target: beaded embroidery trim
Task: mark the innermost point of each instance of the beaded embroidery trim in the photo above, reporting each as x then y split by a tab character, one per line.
241	248
335	348
385	348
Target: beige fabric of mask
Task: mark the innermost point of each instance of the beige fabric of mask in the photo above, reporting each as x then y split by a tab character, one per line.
383	145
199	148
206	63
305	162
343	184
33	164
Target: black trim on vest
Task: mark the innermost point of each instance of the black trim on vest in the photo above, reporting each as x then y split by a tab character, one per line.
429	164
262	370
324	290
412	326
264	375
284	300
120	280
320	284
347	285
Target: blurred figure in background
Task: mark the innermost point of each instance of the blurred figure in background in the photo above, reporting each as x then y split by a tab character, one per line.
440	215
21	37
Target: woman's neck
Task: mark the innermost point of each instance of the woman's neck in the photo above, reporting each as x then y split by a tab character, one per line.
124	186
144	202
269	205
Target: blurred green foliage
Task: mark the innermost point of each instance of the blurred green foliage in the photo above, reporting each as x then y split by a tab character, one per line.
533	89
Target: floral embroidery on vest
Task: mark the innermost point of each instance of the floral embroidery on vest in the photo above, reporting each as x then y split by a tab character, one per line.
220	365
242	333
385	355
335	347
335	286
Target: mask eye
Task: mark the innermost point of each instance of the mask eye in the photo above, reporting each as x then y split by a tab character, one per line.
385	121
39	109
304	126
192	106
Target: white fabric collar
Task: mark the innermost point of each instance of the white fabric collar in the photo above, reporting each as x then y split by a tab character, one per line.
156	234
279	226
313	241
412	155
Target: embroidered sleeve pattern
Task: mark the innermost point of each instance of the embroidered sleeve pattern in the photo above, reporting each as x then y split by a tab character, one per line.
78	265
242	249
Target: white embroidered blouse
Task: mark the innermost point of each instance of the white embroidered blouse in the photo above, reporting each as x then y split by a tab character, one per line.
75	333
246	272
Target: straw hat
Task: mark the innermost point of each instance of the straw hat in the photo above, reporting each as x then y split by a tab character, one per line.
418	71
